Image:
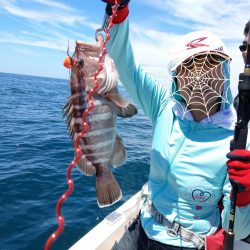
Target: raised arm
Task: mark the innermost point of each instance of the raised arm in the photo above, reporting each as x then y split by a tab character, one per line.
147	92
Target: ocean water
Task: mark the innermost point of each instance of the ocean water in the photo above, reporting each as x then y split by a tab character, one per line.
35	151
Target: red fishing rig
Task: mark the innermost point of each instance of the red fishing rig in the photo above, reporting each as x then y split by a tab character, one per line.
78	153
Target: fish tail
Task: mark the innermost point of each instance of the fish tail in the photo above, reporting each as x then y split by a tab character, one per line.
108	190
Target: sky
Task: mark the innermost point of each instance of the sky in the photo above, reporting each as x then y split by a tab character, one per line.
34	34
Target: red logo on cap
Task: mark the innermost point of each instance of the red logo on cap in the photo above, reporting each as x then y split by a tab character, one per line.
196	43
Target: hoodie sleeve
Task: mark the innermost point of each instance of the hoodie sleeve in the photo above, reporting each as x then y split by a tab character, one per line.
242	218
149	94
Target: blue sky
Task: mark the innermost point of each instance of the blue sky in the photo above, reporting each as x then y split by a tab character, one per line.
34	34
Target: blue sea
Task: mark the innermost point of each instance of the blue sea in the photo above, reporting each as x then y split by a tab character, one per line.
35	152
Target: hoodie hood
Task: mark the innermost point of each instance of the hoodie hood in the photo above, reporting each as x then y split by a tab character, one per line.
200	43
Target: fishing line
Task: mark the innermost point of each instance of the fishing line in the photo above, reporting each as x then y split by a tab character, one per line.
78	152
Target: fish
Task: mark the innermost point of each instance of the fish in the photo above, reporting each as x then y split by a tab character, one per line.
102	148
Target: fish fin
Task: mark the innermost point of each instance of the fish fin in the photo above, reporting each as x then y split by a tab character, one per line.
68	113
117	99
72	134
119	153
108	190
128	111
124	108
66	108
85	166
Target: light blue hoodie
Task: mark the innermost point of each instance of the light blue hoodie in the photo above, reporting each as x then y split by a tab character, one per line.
187	169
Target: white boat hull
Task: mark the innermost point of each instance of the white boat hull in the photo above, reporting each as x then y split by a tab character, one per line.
111	229
107	232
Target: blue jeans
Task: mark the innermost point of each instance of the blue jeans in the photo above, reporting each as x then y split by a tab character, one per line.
136	239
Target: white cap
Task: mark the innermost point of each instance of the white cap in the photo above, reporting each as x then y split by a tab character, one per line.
194	43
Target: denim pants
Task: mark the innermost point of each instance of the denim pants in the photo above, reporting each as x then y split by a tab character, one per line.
136	239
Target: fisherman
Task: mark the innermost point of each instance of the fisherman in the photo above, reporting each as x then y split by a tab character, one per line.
193	125
243	47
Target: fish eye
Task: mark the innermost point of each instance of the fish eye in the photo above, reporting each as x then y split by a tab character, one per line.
81	62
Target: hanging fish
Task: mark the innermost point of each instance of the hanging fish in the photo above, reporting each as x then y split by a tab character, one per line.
101	147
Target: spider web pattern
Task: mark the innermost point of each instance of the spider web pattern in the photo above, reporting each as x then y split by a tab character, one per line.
201	82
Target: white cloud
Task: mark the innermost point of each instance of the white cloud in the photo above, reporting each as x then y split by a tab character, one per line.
56	23
54	4
49	24
56	14
151	46
49	16
25	51
60	45
222	17
151	49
